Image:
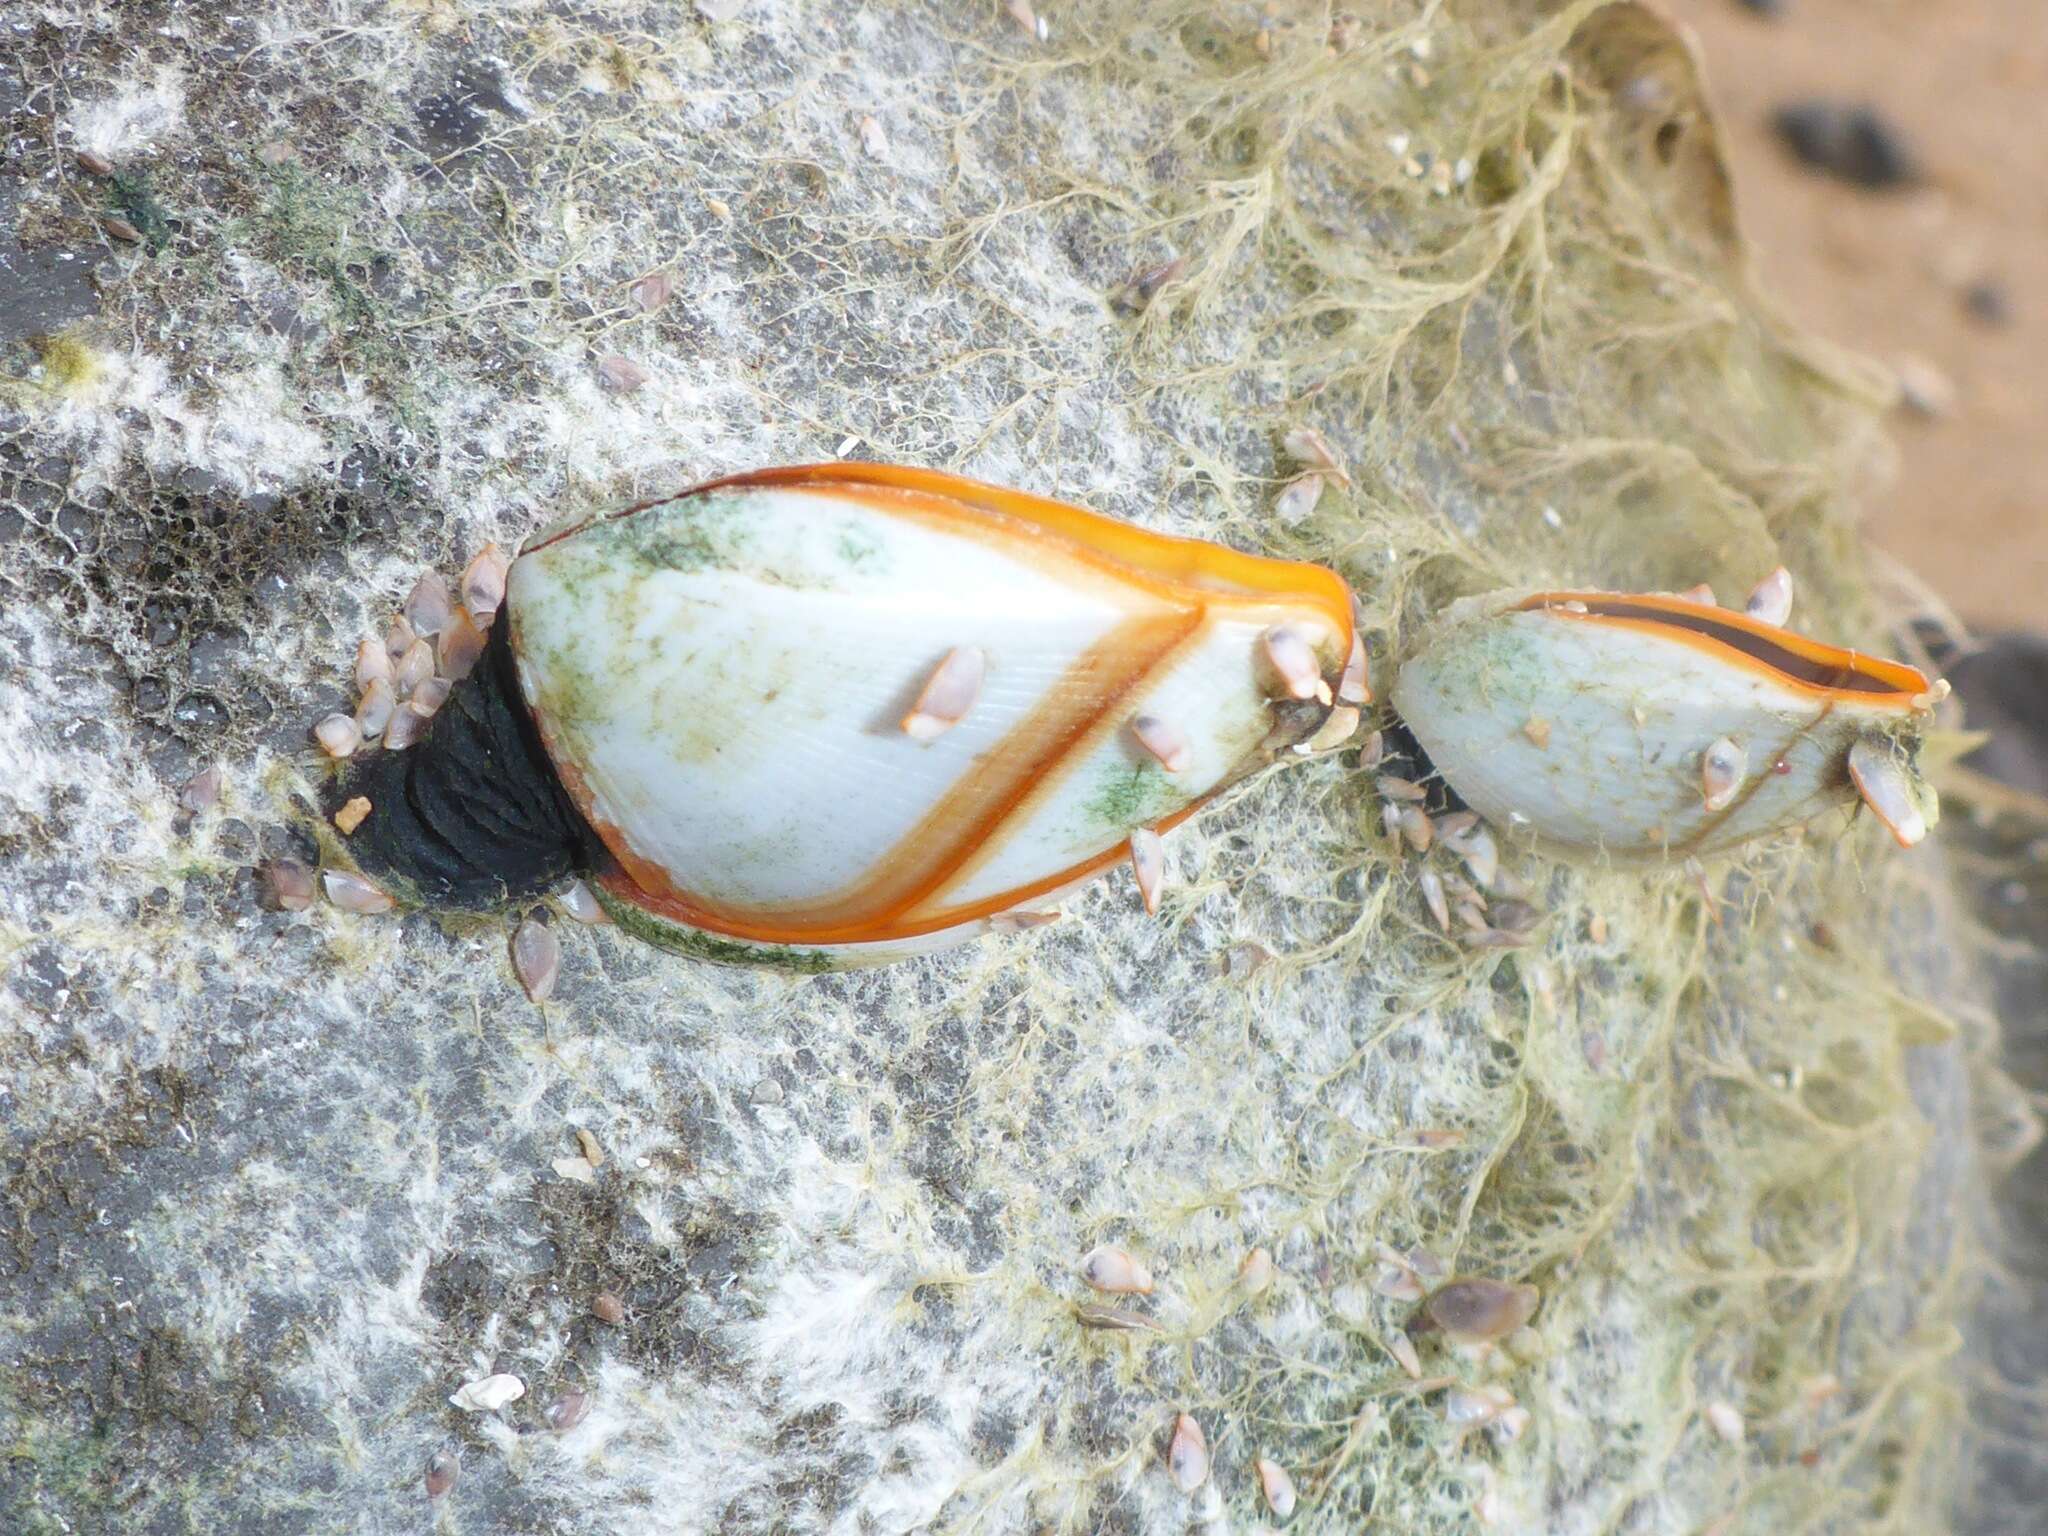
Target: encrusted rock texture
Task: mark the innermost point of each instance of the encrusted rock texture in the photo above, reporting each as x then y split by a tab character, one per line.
299	300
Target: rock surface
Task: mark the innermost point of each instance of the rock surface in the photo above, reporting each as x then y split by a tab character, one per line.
279	1183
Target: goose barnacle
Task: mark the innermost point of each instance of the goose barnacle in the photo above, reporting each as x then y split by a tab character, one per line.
1655	709
1113	1270
835	715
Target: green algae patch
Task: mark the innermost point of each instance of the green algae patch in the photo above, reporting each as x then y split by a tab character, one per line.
1133	796
695	944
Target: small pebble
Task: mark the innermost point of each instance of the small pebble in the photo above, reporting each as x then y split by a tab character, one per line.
1987	302
121	230
94	164
351	815
430	695
1850	142
1923	388
607	1308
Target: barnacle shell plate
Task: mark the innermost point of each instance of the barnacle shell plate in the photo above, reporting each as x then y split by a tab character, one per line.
1635	690
722	680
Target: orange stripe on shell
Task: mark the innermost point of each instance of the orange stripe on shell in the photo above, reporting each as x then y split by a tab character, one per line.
1902	684
1162	562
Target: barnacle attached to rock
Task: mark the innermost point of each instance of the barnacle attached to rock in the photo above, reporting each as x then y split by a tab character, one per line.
1673	727
1112	1269
834	715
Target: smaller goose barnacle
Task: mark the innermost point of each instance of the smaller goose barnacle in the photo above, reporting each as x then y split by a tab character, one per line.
1671	727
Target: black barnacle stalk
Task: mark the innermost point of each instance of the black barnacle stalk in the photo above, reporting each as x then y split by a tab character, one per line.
472	814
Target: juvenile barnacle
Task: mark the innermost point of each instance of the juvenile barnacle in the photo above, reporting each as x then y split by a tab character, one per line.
1771	600
1112	1269
1257	1273
458	647
1294	659
338	735
352	893
1655	707
443	1467
1722	767
1163	741
567	1411
948	694
414	668
1187	1454
1475	1309
483	584
581	904
408	725
1433	893
1115	1319
1148	864
835	715
536	958
287	885
373	664
373	709
1277	1486
1416	828
426	607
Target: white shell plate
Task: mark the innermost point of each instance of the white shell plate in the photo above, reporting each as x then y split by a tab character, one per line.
1630	714
724	679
